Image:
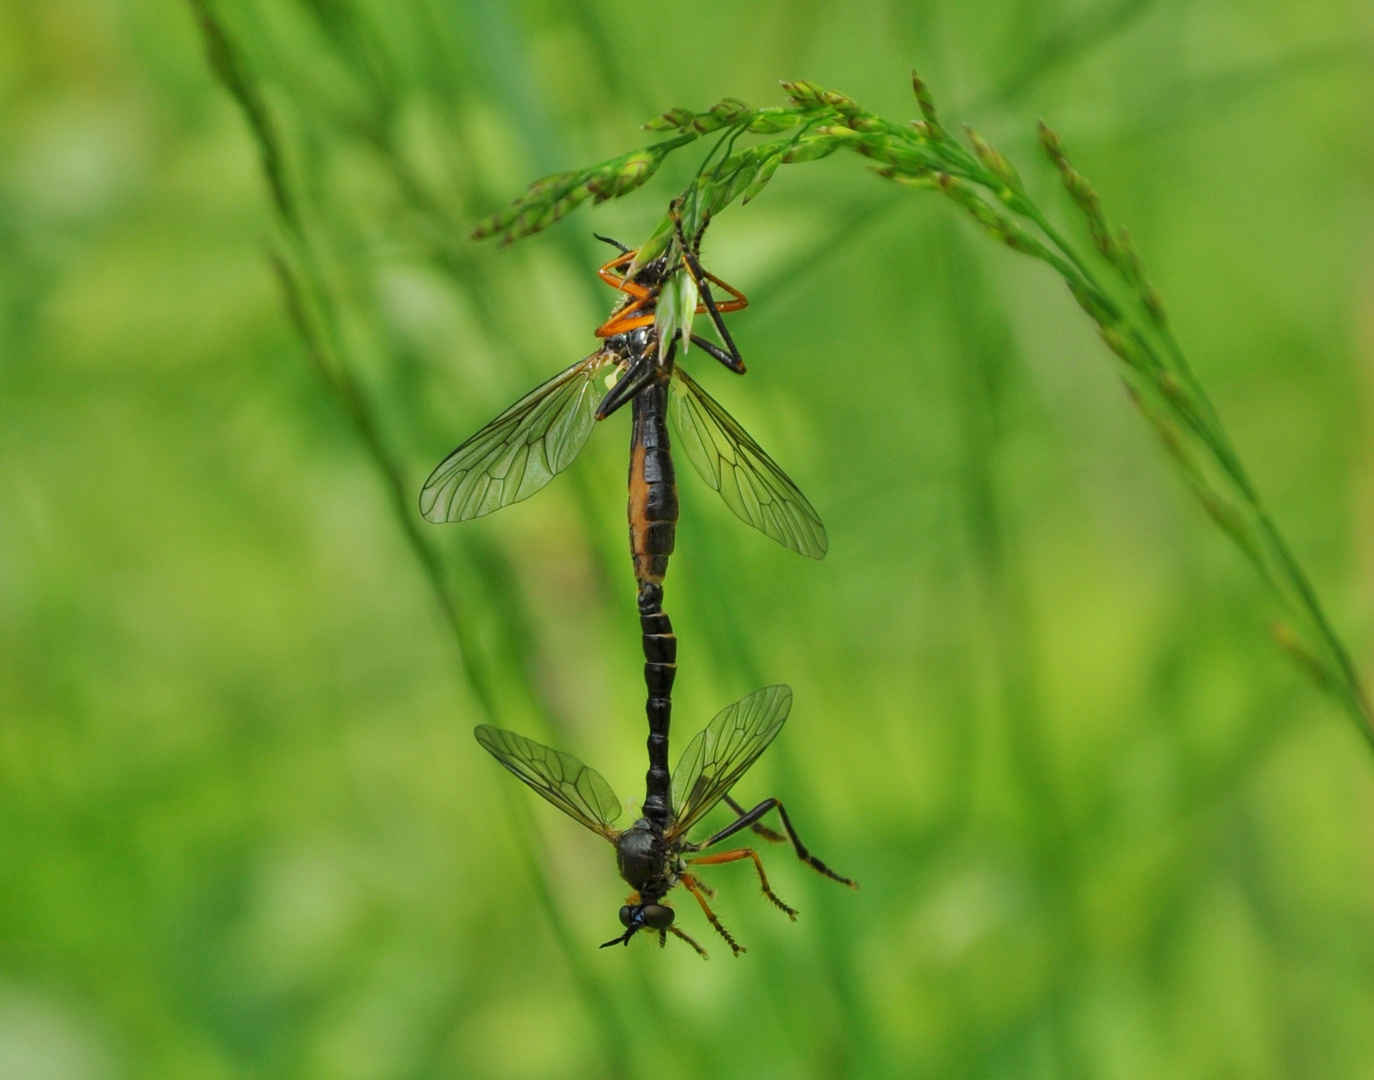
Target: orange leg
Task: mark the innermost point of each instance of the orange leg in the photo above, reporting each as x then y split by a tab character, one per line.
694	887
620	262
639	292
607	274
739	302
706	890
626	319
746	853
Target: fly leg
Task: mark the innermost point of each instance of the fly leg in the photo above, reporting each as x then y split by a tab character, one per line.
679	933
704	280
713	350
737	302
627	318
745	821
639	375
758	826
608	273
747	853
694	887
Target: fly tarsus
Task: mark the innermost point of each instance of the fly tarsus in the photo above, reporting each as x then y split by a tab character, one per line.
683	935
806	856
694	887
749	819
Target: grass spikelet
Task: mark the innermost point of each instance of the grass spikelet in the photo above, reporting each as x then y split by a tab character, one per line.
1107	280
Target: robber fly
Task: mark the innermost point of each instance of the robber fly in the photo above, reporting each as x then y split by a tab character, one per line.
541	434
654	854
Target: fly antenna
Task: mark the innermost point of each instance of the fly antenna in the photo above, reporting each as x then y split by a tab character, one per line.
614	243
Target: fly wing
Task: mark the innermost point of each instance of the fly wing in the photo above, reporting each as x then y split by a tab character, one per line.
578	790
748	480
518	452
722	752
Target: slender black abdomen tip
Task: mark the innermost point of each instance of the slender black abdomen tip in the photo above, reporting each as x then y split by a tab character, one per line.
650	597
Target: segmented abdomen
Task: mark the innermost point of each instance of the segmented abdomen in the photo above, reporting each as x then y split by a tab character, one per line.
660	668
653	486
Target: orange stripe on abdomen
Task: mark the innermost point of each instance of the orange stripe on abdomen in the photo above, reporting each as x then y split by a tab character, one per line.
639	522
653	486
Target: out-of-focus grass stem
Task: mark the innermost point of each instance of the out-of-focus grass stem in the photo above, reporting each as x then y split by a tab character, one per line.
1077	36
984	346
303	290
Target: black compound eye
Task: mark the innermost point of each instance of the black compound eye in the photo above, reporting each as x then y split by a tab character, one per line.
658	917
627	915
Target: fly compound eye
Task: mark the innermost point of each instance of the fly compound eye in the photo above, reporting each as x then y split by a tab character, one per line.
627	915
658	917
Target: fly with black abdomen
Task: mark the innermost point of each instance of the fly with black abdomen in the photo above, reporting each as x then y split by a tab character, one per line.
541	434
654	855
537	438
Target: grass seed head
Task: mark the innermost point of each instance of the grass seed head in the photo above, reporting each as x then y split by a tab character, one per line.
924	100
995	162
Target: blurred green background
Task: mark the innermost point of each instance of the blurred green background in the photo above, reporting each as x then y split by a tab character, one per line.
1103	827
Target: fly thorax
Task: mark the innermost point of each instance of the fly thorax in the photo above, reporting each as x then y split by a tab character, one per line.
640	855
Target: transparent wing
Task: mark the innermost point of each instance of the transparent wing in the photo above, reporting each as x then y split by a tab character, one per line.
748	480
578	790
720	754
518	452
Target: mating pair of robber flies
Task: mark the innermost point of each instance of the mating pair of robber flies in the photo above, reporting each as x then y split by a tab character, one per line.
539	436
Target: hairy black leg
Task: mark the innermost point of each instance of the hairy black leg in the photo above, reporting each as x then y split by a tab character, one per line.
704	288
679	933
746	820
711	349
639	375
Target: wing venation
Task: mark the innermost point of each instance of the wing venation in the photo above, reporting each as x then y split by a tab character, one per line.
722	752
577	789
750	482
520	451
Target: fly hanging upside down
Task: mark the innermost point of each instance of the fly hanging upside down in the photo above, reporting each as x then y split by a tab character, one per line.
541	434
654	854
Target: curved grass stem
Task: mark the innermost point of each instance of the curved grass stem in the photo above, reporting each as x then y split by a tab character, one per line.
308	300
1106	279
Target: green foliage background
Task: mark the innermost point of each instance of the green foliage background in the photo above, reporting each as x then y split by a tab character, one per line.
1103	828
